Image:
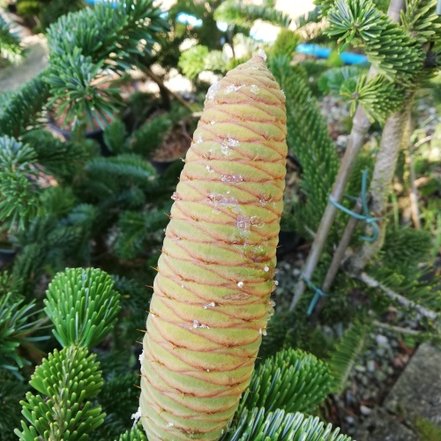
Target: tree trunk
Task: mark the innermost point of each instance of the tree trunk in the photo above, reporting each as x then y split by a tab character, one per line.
384	171
360	127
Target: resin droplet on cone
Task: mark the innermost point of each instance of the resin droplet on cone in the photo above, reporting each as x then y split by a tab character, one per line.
211	296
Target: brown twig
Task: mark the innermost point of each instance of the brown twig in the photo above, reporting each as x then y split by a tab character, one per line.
162	86
397	329
373	283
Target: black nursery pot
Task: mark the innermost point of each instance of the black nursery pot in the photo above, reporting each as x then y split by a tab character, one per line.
162	166
96	135
7	256
288	242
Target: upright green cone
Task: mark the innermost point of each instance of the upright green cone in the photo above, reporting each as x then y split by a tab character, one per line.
211	297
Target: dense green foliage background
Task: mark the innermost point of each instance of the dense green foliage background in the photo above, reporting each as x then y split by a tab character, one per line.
81	187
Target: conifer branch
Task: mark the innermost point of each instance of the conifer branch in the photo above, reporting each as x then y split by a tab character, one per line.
83	306
67	382
125	165
291	380
135	434
325	6
19	196
199	58
16	326
10	47
378	96
308	140
393	51
345	353
22	107
421	20
256	425
241	14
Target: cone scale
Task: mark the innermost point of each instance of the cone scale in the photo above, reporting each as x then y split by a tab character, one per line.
211	298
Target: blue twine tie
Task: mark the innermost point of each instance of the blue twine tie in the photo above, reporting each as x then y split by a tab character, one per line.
318	294
365	216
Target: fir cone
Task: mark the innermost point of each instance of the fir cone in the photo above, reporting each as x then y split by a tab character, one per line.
211	298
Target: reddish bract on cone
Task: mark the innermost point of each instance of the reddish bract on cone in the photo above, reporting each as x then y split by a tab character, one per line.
211	298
